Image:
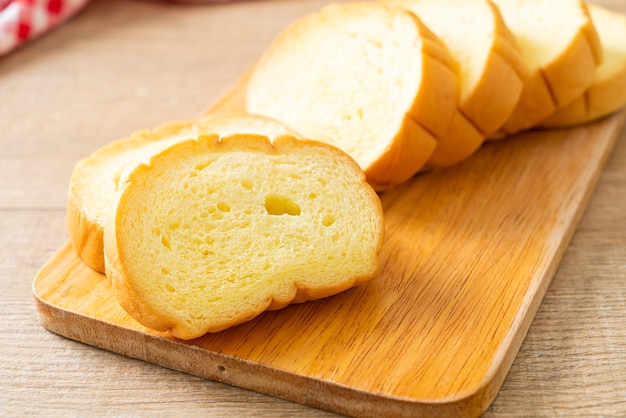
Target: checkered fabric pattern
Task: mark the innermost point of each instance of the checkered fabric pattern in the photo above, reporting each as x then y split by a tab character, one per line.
22	20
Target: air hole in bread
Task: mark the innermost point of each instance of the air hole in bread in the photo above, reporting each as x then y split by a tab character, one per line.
328	220
247	184
166	242
223	207
281	205
170	288
203	165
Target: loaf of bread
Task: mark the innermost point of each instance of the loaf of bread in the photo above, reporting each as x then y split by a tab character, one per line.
210	233
607	93
562	50
95	179
369	79
492	70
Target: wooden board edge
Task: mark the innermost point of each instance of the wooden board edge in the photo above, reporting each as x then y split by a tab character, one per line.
188	358
494	378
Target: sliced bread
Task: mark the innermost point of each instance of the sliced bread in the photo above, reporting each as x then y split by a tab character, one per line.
562	50
210	233
95	180
492	70
369	79
607	93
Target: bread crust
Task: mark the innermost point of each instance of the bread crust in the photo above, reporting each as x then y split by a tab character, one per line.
505	69
432	110
413	141
437	100
486	101
118	264
460	141
608	90
598	101
86	235
557	83
85	230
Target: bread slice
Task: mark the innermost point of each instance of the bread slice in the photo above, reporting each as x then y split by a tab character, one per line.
607	93
561	47
95	179
492	70
209	233
371	80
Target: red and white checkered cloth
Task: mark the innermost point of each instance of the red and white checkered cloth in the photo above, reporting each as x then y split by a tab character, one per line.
22	20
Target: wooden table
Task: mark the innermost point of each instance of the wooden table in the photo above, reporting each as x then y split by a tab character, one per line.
120	66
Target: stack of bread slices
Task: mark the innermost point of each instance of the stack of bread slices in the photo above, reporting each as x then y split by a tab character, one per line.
204	224
517	64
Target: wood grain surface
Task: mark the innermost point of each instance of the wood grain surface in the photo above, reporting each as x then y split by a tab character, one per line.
122	66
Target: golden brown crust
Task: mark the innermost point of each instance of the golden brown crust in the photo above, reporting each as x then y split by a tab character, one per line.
535	103
570	76
460	141
438	97
608	91
556	84
591	33
598	101
486	108
545	92
85	235
484	105
426	121
412	142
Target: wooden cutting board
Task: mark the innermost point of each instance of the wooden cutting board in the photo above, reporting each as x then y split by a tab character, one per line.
468	256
